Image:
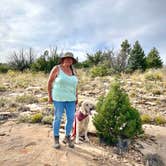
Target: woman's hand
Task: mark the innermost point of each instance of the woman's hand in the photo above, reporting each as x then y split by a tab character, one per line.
50	101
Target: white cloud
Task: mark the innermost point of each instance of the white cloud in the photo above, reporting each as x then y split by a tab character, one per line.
81	26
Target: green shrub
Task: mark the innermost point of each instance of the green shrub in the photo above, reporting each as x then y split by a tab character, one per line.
46	62
116	117
84	64
100	71
146	119
47	119
36	118
44	99
4	68
159	120
28	99
2	88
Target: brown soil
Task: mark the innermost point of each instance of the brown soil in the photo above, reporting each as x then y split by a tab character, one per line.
31	144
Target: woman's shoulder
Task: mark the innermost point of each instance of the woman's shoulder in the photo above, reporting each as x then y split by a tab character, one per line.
55	69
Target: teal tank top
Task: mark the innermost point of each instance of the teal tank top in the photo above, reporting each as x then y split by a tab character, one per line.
64	87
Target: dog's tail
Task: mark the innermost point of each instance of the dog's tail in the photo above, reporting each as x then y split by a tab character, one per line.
74	129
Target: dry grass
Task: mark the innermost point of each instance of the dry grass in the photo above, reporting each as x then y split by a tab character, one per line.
159	120
138	84
28	99
18	80
146	119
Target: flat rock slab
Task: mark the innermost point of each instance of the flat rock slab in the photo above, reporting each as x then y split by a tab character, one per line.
159	147
31	144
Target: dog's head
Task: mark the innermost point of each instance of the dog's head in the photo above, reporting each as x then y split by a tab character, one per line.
87	107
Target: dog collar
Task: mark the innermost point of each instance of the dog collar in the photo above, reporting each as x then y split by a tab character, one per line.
80	116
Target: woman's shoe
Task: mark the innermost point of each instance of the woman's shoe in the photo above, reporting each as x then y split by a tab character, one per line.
56	144
68	141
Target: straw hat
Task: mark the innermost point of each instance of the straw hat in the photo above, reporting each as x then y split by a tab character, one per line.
68	55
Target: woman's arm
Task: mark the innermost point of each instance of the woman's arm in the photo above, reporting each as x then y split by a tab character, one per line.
76	96
52	76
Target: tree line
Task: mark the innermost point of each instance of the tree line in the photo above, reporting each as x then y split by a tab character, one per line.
127	59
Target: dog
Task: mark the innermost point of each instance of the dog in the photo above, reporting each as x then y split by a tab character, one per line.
81	121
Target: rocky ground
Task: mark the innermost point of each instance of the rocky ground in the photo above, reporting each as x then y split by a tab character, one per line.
25	94
31	144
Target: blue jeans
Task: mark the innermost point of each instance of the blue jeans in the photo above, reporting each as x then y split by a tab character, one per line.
59	107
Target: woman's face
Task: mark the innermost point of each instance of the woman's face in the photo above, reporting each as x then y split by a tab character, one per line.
68	61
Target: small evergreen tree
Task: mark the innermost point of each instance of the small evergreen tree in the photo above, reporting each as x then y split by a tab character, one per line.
116	117
153	59
137	60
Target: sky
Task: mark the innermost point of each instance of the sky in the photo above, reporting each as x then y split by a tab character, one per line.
81	26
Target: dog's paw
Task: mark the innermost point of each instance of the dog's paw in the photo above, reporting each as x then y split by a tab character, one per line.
87	139
77	141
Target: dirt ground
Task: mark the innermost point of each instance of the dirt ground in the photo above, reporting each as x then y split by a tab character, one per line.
25	144
159	132
31	144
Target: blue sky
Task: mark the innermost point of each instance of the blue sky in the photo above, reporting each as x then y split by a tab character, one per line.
81	26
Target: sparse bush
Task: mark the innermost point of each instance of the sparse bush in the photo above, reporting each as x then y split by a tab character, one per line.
153	76
2	88
3	102
4	68
44	99
149	86
159	120
36	118
146	119
100	71
12	73
47	119
95	59
24	117
22	60
21	83
156	92
28	99
116	117
84	64
133	94
47	61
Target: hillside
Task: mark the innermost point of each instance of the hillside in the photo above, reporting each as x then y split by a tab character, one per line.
24	95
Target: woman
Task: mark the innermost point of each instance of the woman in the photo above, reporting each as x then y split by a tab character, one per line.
62	85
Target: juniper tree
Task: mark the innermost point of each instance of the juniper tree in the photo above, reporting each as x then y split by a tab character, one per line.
116	117
137	60
153	59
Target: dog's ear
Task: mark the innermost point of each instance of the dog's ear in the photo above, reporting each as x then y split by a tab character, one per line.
80	103
83	106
